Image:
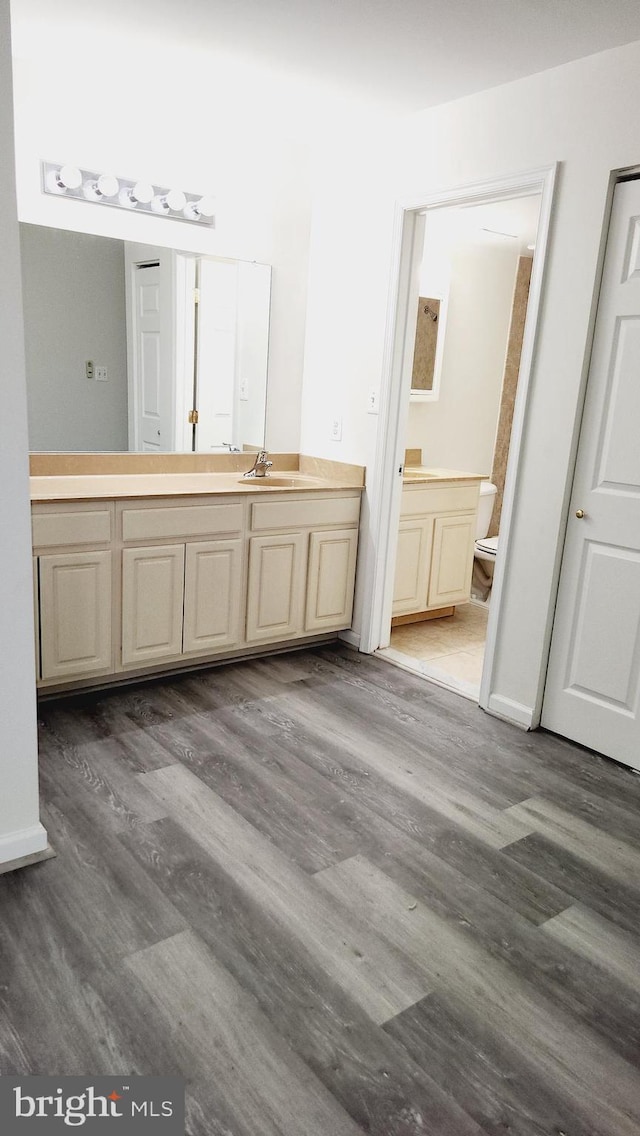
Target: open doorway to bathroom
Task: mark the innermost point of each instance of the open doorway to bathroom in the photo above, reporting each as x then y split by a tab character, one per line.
474	279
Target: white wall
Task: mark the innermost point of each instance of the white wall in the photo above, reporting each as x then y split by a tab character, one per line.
20	831
578	115
74	310
168	128
458	430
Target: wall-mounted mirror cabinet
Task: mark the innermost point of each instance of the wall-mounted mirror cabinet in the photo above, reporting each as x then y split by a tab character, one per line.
134	347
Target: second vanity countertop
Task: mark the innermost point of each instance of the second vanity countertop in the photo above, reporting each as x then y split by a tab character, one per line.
422	475
307	475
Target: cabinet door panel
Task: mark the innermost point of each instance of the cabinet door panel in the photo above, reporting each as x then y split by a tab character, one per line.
330	579
452	560
75	614
275	599
413	557
152	595
212	591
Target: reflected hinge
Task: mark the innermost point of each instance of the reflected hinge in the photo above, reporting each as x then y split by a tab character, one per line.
193	417
196	295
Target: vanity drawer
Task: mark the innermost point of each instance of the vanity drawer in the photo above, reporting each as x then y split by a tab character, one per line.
439	499
175	521
56	527
307	513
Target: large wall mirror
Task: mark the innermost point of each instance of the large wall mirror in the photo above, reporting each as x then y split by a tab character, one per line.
134	347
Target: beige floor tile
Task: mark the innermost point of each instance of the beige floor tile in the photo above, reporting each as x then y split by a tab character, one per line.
462	665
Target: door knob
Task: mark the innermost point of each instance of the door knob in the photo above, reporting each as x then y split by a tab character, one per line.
579	514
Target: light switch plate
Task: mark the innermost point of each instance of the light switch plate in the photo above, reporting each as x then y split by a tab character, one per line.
101	375
244	390
372	401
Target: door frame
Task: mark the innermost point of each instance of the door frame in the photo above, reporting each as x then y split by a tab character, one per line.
406	255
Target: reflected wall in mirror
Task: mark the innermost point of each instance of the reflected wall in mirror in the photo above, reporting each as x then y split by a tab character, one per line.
124	342
424	356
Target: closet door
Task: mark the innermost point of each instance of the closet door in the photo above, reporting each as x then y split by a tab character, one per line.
593	682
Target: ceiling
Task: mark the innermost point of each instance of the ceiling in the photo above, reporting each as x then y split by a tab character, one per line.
394	56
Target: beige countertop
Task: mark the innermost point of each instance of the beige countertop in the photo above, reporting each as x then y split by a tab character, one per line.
311	475
422	475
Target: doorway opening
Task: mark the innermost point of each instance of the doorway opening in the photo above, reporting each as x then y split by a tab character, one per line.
477	261
454	420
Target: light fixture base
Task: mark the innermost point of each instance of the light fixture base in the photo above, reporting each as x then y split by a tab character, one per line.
182	206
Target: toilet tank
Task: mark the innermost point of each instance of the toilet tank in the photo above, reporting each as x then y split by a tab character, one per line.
485	508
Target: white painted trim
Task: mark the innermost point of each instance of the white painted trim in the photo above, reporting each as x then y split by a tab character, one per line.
24	842
351	638
510	711
546	188
184	279
386	485
394	406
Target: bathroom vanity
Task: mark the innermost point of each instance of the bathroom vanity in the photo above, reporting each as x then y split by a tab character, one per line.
138	571
434	561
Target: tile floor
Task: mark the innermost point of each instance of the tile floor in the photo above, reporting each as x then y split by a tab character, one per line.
450	649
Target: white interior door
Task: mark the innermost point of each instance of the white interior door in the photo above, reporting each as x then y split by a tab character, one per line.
593	684
153	362
216	364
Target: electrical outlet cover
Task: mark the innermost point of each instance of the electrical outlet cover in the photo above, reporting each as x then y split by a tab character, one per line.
336	430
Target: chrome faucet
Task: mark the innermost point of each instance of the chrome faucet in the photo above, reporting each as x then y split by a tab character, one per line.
261	465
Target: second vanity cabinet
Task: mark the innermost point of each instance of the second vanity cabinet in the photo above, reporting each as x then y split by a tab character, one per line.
301	566
180	588
132	585
436	539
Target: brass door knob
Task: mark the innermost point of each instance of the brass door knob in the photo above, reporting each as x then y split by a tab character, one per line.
579	514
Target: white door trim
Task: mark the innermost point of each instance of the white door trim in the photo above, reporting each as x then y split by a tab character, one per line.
386	482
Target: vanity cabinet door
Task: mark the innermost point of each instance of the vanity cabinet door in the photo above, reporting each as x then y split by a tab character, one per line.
413	558
330	579
75	614
212	595
452	560
276	591
152	598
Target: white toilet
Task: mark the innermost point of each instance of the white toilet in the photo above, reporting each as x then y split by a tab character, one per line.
486	547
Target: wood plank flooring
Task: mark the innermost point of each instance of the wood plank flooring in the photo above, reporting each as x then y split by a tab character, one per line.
336	900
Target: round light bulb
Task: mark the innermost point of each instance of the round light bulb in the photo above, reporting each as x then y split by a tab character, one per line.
70	177
206	206
67	177
107	185
142	192
173	199
176	199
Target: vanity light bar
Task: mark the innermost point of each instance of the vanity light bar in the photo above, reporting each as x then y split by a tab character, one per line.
123	193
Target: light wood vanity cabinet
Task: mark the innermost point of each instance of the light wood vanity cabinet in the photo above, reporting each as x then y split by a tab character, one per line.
171	580
301	566
74	591
434	561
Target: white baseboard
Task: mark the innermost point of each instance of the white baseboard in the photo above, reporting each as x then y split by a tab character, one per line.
511	711
350	637
24	842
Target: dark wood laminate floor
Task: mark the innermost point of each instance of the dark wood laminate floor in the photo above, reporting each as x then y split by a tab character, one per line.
337	900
